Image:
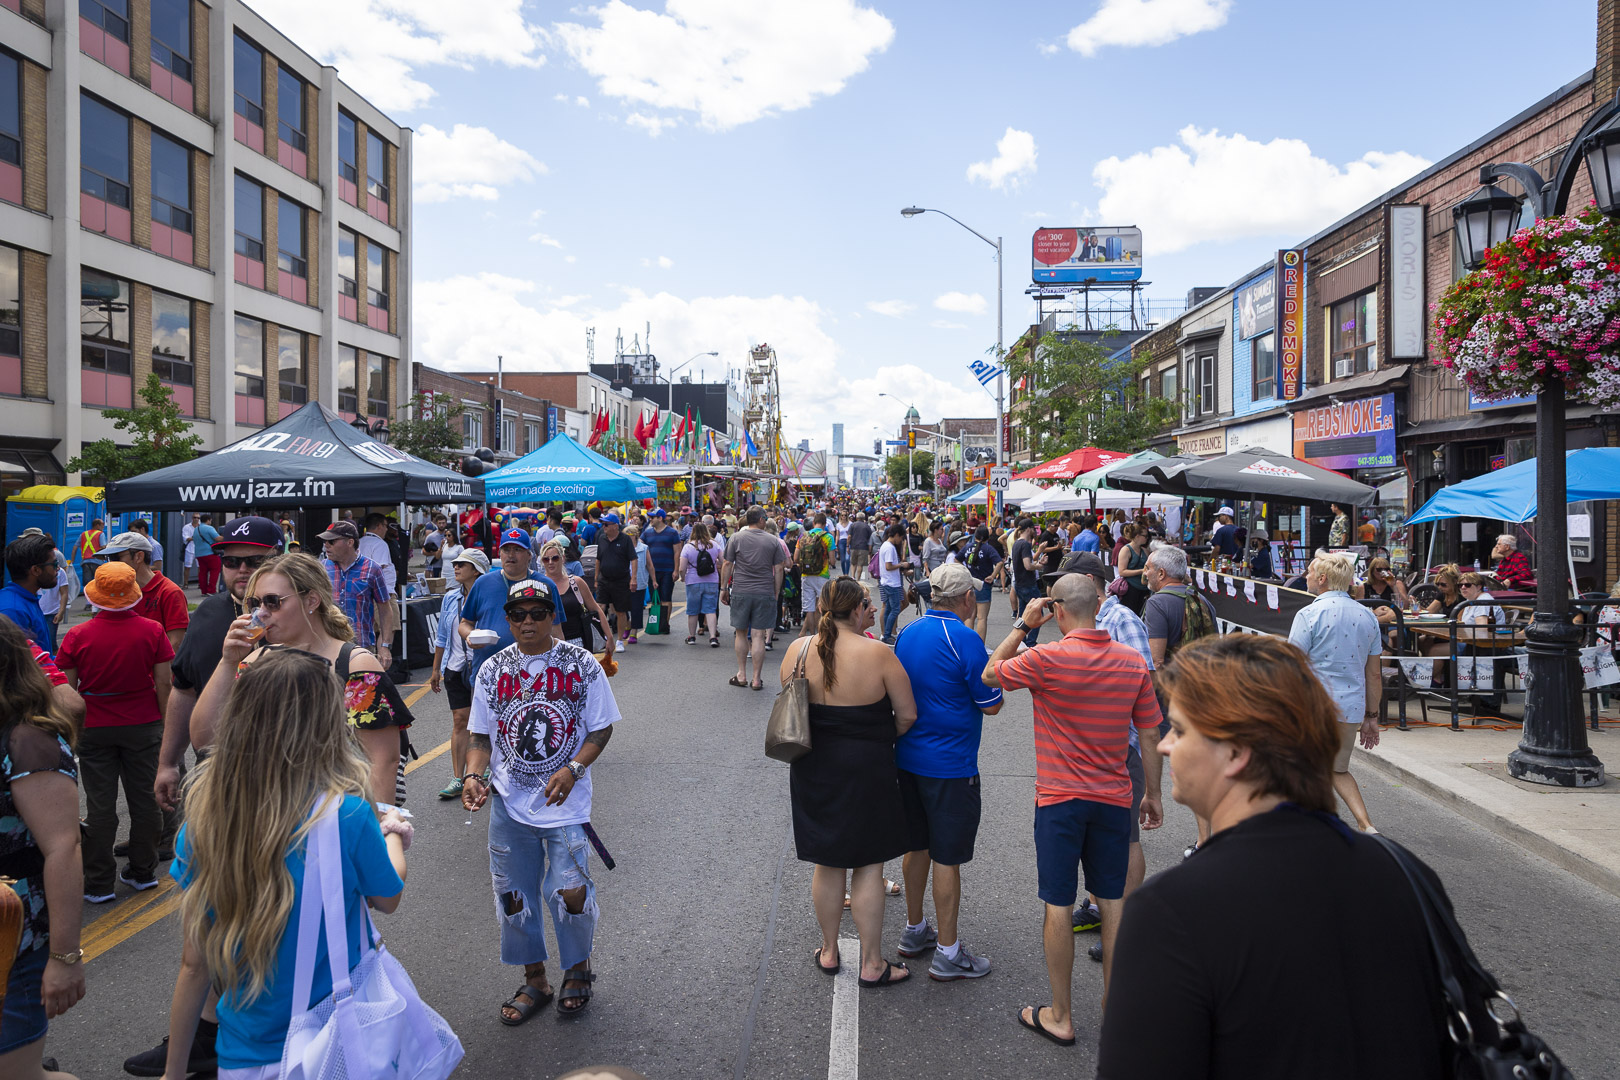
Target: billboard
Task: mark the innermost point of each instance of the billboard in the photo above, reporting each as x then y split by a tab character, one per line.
1290	315
1257	307
1348	434
1088	253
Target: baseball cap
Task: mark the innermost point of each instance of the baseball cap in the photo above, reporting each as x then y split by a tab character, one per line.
258	532
342	530
659	513
516	537
127	541
952	579
610	519
529	591
1085	562
1227	510
474	557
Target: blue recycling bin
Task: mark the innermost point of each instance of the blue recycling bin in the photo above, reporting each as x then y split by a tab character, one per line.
63	512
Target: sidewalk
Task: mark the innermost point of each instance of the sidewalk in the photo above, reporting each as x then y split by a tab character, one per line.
1577	829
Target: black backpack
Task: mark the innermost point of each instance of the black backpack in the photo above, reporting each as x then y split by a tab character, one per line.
983	561
704	563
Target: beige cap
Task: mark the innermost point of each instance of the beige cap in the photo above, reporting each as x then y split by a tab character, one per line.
953	579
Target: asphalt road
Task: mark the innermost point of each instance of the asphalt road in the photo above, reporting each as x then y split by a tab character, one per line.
703	952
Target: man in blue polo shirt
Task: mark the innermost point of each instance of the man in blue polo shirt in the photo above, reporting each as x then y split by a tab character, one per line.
939	765
31	562
485	606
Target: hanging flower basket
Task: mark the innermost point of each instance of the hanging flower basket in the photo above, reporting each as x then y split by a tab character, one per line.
945	480
1546	304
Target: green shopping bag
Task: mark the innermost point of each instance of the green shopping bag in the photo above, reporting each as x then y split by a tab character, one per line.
658	616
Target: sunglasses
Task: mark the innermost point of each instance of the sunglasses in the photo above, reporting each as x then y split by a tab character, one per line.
270	601
252	562
551	558
523	615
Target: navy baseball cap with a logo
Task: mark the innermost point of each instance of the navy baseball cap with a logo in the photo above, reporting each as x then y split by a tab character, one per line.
529	591
518	537
252	531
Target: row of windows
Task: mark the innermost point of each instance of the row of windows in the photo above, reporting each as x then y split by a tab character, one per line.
171	29
291	224
292	361
249	86
349	372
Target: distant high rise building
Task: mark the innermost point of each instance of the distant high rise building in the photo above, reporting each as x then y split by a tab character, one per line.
838	440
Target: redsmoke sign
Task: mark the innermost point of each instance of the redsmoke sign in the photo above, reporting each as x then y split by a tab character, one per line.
1290	322
1348	435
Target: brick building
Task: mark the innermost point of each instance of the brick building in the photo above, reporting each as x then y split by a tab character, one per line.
185	191
522	422
583	394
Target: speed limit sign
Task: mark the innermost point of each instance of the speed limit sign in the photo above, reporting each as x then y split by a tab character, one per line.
1000	478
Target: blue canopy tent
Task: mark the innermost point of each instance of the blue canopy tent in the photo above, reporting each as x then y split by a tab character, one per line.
966	493
561	471
1509	494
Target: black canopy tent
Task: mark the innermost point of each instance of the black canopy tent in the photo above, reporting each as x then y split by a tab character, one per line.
311	459
1256	474
1137	478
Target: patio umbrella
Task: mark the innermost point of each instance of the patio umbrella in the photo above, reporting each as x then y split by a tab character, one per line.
1510	494
562	470
1097	478
1137	478
1070	465
1259	474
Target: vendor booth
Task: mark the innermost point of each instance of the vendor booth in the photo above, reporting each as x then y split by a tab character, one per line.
563	471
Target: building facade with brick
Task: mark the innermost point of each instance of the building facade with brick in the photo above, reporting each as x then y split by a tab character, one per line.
186	192
504	419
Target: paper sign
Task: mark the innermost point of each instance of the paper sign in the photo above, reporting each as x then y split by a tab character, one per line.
1231	586
1273	598
1524	667
1598	666
1199	573
1470	532
1248	591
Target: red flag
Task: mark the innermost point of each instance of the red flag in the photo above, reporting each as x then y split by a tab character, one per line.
598	428
682	427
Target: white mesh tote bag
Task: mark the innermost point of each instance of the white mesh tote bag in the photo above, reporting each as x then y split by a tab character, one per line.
373	1026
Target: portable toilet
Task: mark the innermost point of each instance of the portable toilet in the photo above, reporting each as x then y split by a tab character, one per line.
63	512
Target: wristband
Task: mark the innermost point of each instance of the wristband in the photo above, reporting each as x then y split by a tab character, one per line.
478	776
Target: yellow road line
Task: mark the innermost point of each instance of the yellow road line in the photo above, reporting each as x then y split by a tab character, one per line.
414	698
116	918
423	759
118	935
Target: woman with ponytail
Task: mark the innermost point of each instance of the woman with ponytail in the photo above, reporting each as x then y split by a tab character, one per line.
847	814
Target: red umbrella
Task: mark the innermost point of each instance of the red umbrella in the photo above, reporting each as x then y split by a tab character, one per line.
1072	464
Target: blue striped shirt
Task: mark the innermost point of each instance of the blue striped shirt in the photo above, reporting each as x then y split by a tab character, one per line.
1125	627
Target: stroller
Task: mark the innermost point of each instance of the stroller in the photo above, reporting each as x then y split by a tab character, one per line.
788	615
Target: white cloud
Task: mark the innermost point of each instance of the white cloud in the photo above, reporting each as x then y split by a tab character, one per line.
1225	187
582	102
1146	22
543	239
570	258
894	309
663	262
535	216
1013	164
941	324
379	45
962	303
652	125
466	163
729	61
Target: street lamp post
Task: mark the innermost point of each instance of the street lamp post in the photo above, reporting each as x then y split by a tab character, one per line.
911	429
1553	749
669	379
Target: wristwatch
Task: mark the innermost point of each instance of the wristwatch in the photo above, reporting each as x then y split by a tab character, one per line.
577	769
69	957
1020	624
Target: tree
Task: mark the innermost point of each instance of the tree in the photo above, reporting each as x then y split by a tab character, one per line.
433	430
160	436
620	449
922	469
1082	394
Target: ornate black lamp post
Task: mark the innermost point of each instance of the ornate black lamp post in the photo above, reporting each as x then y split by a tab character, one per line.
377	429
1553	749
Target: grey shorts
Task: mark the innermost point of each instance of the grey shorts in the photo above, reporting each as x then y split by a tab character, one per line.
810	588
753	611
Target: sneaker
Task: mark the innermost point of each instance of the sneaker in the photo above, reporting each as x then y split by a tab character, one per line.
153	1062
1087	917
102	898
619	646
965	966
1190	852
631	640
917	942
452	790
138	883
1095	952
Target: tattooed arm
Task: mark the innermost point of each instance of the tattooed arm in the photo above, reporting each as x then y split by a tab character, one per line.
562	781
473	790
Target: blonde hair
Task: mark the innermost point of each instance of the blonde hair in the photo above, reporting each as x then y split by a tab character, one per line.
1473	578
1339	571
306	575
552	545
1448	573
282	743
632	532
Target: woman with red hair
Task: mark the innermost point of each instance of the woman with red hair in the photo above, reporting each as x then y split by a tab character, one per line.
1244	960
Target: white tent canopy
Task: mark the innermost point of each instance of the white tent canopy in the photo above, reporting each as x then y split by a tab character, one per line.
1019	491
1058	498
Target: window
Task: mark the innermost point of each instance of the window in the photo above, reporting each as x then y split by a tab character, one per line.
290	238
103	153
10	302
1201	389
249	357
1353	330
171	36
1263	352
377	276
1167	385
472	429
346	265
171	348
509	434
376	167
111	17
171	183
377	385
10	110
291	362
249	219
348	380
104	356
348	154
531	435
249	81
290	109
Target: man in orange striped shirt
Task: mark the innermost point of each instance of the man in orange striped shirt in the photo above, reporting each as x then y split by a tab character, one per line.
1088	692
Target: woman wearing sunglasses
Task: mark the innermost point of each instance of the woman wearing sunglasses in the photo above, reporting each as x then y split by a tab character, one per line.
579	606
289	605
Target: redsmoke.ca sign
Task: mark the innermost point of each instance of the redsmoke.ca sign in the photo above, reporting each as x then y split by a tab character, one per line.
1348	435
1290	323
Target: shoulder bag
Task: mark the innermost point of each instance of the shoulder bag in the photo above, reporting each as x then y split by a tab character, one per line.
1473	996
373	1025
787	736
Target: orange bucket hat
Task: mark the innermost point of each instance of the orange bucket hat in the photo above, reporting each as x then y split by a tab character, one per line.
114	587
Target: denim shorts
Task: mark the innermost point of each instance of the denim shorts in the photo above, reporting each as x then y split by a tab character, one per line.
22	1018
703	598
1076	834
982	596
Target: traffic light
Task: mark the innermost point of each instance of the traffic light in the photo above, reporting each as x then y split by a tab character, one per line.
479	462
911	439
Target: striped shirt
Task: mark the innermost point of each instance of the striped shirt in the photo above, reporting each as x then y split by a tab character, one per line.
358	591
1088	692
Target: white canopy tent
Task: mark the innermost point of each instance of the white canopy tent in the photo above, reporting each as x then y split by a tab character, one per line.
1018	492
1061	498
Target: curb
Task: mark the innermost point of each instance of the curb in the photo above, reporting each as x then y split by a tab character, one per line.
1603	877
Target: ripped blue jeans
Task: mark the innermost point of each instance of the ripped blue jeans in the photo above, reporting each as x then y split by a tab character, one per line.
530	868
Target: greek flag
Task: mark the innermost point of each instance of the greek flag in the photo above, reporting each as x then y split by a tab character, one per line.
984	371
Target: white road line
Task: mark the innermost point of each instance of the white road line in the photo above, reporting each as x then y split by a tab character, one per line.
844	1050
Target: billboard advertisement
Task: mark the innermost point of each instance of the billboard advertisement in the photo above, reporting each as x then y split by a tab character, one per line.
1257	307
1088	253
1290	315
1348	434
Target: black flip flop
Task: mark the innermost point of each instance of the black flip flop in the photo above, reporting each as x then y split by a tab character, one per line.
756	686
825	970
1034	1024
740	683
572	993
526	1000
884	979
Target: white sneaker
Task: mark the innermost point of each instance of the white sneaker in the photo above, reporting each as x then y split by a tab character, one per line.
620	647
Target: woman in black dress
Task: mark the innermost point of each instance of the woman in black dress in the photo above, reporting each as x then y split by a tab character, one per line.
847	813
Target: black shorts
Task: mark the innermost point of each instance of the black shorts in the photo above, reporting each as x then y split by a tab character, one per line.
942	816
458	690
614	594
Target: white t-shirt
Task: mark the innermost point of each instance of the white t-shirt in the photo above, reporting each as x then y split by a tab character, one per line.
888	554
537	711
375	548
185	531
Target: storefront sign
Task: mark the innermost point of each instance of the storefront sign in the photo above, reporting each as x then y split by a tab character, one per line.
1203	442
1290	322
1348	435
1406	328
1476	405
1257	306
1275	433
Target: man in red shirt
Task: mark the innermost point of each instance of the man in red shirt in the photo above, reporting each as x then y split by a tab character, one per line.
119	661
162	600
1088	691
1512	568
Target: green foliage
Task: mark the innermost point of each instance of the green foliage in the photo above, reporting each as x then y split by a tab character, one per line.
624	451
160	436
922	468
1080	395
433	430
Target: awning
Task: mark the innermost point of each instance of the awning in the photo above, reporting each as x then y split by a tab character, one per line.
1098	477
562	471
1510	494
1070	465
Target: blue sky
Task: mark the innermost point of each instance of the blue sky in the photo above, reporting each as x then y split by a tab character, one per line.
731	170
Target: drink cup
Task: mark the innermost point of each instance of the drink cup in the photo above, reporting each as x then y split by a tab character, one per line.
256	624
